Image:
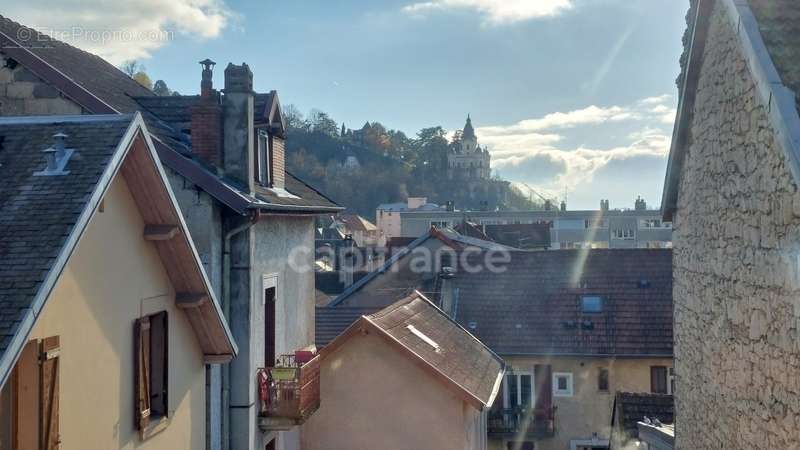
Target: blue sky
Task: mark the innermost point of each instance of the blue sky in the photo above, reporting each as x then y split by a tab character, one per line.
569	95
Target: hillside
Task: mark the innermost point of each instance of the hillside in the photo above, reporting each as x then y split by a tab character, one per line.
362	168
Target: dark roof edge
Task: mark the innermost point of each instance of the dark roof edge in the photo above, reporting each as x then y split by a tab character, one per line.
669	195
382	269
9	357
593	355
776	97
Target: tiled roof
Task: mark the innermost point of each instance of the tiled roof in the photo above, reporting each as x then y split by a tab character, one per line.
533	306
355	222
38	213
427	332
779	24
90	71
633	407
331	322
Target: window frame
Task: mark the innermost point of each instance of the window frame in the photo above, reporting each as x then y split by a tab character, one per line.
151	419
600	380
263	158
569	391
655	382
585	310
517	376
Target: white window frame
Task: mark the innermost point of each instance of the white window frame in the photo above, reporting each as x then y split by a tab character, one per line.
569	392
440	223
517	379
670	380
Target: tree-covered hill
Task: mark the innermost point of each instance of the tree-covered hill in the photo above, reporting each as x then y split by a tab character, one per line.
361	168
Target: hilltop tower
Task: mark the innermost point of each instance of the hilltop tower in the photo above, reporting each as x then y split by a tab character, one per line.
466	159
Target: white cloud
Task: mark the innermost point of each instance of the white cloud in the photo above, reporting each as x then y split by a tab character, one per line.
518	149
123	30
497	11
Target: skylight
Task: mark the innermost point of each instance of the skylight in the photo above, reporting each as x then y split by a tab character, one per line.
423	336
591	304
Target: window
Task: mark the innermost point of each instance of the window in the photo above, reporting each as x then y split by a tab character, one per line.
658	380
151	383
263	166
591	304
440	224
623	233
518	390
562	384
602	379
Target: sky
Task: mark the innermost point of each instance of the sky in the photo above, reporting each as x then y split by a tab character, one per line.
574	98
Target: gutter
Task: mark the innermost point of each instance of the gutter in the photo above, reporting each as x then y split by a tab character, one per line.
226	310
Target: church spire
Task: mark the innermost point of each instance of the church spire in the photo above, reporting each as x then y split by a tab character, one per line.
469	132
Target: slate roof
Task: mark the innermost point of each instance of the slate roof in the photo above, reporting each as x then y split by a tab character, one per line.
449	349
166	118
331	322
38	213
779	24
633	407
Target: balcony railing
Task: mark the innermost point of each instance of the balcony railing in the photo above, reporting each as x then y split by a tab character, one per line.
520	422
289	392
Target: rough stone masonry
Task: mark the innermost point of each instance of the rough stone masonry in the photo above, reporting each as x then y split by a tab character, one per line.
736	251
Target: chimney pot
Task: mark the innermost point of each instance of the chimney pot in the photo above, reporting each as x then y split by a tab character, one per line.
206	82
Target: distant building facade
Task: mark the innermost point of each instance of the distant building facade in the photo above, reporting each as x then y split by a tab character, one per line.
466	159
603	228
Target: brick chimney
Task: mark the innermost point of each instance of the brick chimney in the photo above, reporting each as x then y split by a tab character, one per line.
237	124
207	120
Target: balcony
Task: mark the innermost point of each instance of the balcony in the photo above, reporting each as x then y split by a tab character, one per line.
523	423
288	392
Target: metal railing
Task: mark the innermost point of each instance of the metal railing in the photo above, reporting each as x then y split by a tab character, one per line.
536	423
291	389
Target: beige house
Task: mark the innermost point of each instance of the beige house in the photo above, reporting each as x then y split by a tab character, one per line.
574	326
405	377
732	192
107	319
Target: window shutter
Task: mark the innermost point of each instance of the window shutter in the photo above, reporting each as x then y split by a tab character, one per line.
26	386
49	366
158	364
658	379
142	372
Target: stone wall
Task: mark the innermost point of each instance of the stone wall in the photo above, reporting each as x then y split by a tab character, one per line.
24	94
737	304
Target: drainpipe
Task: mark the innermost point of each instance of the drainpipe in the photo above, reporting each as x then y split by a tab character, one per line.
226	310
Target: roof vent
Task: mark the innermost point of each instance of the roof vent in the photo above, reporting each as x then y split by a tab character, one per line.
644	284
472	325
587	325
568	324
57	157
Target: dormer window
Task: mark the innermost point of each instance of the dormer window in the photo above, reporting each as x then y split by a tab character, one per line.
263	162
591	304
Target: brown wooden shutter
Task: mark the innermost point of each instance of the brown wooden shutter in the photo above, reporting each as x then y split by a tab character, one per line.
142	372
543	377
26	385
658	379
49	365
158	364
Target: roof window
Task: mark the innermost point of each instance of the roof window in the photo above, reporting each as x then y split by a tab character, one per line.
591	304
